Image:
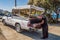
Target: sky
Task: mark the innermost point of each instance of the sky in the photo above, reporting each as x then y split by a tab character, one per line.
9	4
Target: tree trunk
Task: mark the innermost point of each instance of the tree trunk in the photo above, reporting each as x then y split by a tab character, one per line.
57	18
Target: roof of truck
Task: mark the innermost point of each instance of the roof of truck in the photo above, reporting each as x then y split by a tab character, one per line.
29	7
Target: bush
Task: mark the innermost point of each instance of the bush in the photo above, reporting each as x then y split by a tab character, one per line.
50	19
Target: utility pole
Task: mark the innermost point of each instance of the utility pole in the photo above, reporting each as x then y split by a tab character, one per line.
15	3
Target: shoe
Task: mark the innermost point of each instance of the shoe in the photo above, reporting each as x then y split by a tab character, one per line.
44	37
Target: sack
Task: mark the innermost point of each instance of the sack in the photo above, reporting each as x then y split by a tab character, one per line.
37	26
35	20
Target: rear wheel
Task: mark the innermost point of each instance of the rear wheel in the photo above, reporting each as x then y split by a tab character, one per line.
18	28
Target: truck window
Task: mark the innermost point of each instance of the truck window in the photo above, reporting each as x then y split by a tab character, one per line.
9	15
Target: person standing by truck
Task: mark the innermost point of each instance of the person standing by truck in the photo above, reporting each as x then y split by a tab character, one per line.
41	20
44	26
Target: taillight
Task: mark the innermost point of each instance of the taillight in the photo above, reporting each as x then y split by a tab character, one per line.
29	25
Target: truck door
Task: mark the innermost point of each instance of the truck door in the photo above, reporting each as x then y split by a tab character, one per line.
24	23
9	17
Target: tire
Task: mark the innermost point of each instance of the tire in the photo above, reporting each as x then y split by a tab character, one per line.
3	21
18	28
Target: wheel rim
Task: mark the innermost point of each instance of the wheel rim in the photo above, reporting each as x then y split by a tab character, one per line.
18	28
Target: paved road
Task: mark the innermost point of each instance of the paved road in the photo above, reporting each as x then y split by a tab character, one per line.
11	34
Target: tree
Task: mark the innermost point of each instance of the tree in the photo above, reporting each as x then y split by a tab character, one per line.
48	4
30	2
55	4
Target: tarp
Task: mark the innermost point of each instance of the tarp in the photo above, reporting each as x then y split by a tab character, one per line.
29	7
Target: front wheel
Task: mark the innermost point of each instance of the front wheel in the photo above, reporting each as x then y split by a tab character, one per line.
3	21
18	28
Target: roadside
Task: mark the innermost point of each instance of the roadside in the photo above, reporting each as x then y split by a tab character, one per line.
54	29
2	36
11	34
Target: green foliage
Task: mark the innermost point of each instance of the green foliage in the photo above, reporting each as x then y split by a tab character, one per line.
50	19
48	4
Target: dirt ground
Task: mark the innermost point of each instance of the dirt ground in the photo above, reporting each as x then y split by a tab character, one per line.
54	29
2	36
10	34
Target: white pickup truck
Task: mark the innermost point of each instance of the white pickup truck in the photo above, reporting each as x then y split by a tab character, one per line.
18	22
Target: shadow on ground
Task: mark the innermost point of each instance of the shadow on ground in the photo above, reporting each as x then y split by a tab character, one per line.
37	36
56	25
